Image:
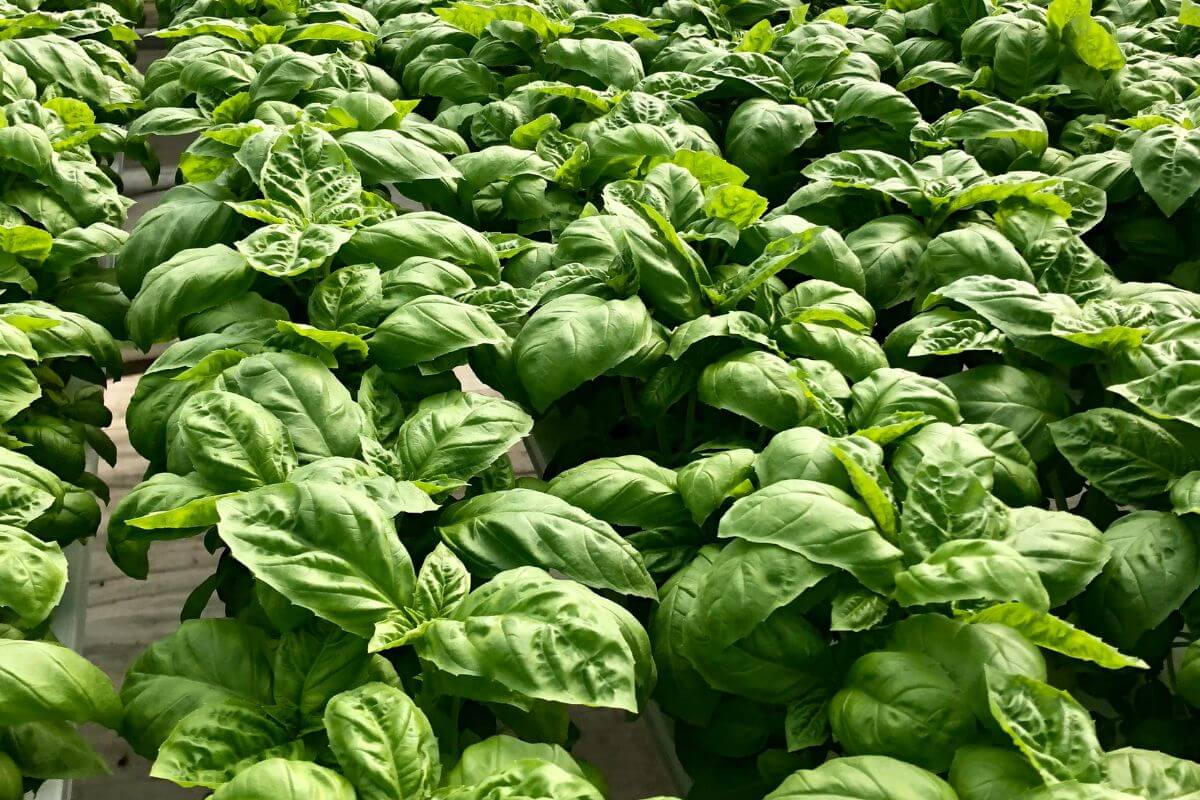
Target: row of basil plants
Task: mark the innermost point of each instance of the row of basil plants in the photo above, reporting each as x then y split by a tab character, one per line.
821	319
67	88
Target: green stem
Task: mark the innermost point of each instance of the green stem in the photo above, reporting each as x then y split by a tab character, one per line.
689	425
627	397
1060	495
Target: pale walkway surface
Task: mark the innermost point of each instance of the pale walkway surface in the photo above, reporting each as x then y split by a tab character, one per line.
125	616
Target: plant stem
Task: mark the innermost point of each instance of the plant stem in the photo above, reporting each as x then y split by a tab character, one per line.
689	425
627	397
1060	495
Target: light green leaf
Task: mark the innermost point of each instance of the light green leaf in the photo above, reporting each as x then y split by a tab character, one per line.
1052	633
981	772
520	527
972	569
759	386
458	435
280	779
496	753
819	522
571	340
1000	120
215	742
597	656
383	743
40	682
1147	773
19	387
352	295
285	251
307	171
325	547
1054	732
442	585
33	575
429	327
233	442
1129	458
1164	159
1168	393
706	483
863	778
946	501
1185	494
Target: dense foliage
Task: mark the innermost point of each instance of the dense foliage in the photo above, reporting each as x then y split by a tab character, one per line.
858	344
66	87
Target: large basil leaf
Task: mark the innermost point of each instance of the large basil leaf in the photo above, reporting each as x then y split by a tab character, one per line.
44	682
759	386
383	742
627	490
1024	401
682	691
744	636
980	772
458	435
1129	458
802	453
187	217
1162	159
188	282
1049	727
884	689
1067	550
496	753
1151	773
51	750
975	569
1155	566
761	132
33	575
204	662
822	523
313	663
212	744
429	327
706	483
386	156
596	656
520	527
281	779
233	442
574	339
317	410
863	778
388	244
325	547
